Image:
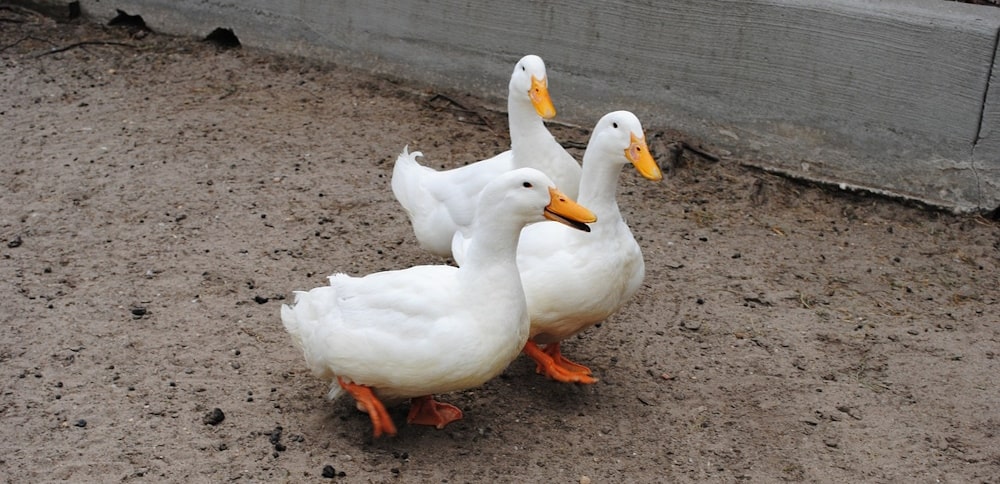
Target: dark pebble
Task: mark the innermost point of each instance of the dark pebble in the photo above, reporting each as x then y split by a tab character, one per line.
329	472
15	242
276	435
280	447
81	423
139	311
215	417
260	299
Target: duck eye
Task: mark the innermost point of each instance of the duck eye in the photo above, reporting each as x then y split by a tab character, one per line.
523	69
527	184
614	125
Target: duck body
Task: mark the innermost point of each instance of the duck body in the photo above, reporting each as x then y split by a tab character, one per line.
588	289
575	280
440	203
414	332
424	342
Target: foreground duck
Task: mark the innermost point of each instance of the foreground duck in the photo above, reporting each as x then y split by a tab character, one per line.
438	203
412	333
574	280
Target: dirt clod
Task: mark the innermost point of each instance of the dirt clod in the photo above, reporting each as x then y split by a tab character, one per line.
214	417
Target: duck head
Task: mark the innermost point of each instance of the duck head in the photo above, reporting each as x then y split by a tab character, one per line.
530	196
621	133
529	78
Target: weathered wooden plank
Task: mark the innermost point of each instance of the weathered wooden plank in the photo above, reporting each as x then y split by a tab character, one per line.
882	94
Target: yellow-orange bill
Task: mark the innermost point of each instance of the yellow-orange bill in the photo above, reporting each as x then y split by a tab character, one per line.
564	210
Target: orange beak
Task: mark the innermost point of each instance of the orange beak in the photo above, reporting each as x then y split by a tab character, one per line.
638	154
540	99
564	210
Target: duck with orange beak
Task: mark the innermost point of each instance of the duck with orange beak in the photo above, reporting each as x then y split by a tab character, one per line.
412	333
439	203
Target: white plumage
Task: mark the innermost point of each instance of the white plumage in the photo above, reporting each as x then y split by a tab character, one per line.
430	329
573	280
439	203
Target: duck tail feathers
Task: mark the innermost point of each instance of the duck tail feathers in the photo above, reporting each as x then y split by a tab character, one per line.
293	317
407	179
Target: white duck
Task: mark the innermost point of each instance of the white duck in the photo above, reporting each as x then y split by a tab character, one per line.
431	329
574	280
438	203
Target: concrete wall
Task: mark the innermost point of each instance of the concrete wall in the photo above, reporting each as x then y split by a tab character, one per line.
889	95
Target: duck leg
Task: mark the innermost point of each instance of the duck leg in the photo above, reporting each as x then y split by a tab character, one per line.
427	411
370	404
552	349
556	367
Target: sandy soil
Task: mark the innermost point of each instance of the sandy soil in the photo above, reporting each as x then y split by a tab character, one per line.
161	198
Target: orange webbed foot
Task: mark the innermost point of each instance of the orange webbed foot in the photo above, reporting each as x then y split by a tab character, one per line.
552	349
552	368
370	404
427	411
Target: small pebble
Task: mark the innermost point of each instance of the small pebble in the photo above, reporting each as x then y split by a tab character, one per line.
80	423
260	299
329	472
15	242
691	325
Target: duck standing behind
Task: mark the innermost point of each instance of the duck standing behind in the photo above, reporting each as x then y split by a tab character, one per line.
438	203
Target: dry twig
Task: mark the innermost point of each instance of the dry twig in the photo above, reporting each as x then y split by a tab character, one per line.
457	106
74	45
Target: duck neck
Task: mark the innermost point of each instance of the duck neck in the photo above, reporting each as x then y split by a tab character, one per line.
526	127
599	187
492	251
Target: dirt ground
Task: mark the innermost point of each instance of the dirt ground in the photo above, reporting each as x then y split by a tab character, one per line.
162	197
